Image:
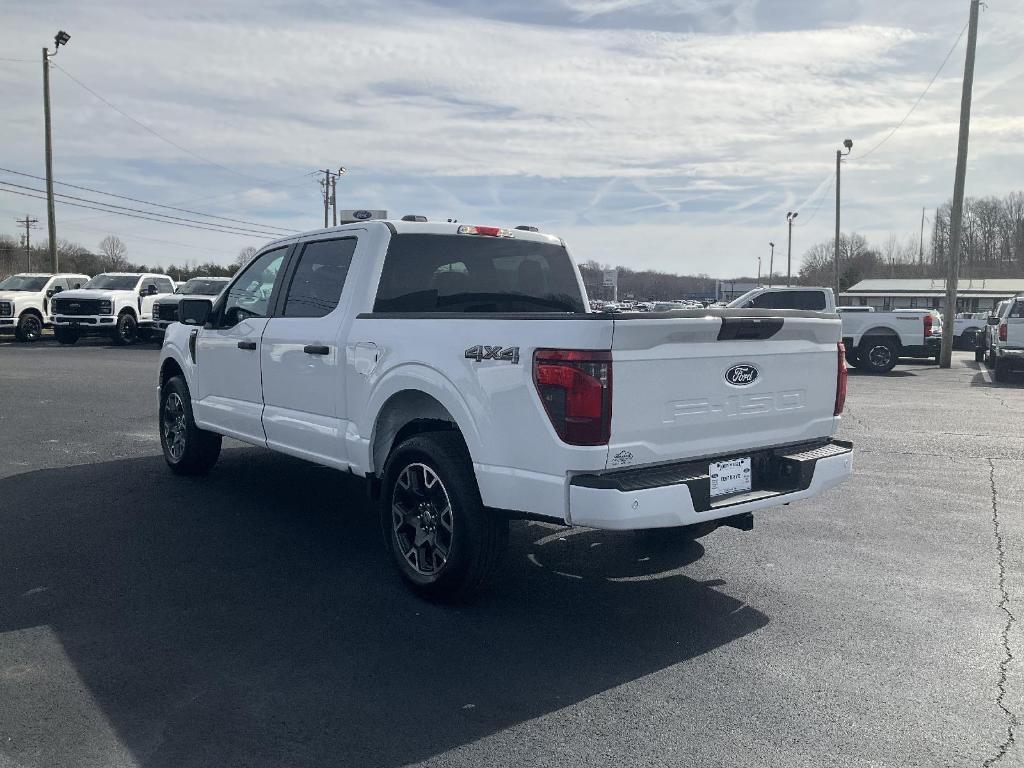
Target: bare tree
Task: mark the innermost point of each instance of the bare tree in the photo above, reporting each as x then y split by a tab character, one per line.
114	253
244	257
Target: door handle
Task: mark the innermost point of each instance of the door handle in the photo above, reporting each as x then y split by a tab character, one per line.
250	345
316	349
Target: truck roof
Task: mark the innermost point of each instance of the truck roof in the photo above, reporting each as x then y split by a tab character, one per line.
424	228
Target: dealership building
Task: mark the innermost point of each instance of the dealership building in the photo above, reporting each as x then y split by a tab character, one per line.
973	295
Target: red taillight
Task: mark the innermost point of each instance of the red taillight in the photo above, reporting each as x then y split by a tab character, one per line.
927	326
1002	331
841	379
575	386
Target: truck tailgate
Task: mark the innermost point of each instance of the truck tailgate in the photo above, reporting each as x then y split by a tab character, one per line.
720	383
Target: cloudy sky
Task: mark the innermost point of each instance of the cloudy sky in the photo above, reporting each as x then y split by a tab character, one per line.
672	134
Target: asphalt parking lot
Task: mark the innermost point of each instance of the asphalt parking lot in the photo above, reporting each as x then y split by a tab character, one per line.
251	618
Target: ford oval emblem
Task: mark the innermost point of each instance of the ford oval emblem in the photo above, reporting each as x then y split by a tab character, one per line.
741	375
361	215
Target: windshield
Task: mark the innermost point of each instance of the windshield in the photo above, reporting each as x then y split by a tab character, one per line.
113	282
199	286
23	283
467	273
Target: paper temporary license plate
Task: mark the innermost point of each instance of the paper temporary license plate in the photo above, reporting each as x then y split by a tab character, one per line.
732	476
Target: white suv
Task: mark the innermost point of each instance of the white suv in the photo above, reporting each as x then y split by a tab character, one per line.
25	301
116	303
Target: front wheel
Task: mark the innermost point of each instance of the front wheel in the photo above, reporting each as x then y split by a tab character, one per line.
979	355
188	450
445	544
30	328
66	335
878	355
125	331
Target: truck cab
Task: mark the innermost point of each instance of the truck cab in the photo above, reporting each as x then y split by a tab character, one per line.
116	304
25	301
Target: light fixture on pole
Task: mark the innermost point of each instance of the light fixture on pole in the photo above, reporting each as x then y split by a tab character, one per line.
61	38
848	143
789	247
771	265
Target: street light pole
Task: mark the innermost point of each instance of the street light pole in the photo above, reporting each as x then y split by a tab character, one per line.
848	143
789	248
758	271
61	38
771	265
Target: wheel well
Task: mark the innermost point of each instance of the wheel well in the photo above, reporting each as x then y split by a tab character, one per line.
31	311
403	415
881	332
129	310
169	370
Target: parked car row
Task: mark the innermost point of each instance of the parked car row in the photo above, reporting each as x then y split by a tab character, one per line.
127	306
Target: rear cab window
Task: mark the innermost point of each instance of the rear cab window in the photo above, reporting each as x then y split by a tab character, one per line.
429	273
806	300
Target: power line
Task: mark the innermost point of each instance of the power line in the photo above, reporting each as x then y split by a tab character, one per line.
821	199
919	98
42	196
147	202
148	213
160	136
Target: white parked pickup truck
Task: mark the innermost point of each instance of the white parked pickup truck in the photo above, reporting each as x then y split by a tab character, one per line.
165	308
25	301
874	341
1004	343
460	370
119	304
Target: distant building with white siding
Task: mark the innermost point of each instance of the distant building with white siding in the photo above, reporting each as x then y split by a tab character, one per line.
973	295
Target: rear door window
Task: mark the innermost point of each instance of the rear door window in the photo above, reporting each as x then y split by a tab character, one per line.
806	300
319	277
466	273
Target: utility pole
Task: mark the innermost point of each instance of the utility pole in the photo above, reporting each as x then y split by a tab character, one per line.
789	248
848	143
61	38
771	264
956	214
920	246
29	225
329	186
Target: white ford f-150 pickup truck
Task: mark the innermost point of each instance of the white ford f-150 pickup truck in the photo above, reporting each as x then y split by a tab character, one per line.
25	301
874	341
460	370
119	304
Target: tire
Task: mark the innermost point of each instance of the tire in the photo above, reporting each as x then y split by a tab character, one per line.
990	359
30	327
878	355
979	355
66	335
852	358
126	330
426	476
188	450
1002	372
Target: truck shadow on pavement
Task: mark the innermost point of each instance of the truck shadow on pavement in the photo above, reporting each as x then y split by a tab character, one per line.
251	618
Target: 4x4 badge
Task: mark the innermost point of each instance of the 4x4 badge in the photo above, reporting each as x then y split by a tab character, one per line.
483	352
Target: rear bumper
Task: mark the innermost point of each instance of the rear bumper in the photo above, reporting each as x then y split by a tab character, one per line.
679	494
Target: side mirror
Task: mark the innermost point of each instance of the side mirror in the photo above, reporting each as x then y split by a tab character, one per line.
993	320
195	311
150	290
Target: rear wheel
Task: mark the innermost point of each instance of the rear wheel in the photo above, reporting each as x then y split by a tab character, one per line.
188	450
125	331
66	335
1002	371
30	327
878	355
443	540
979	355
